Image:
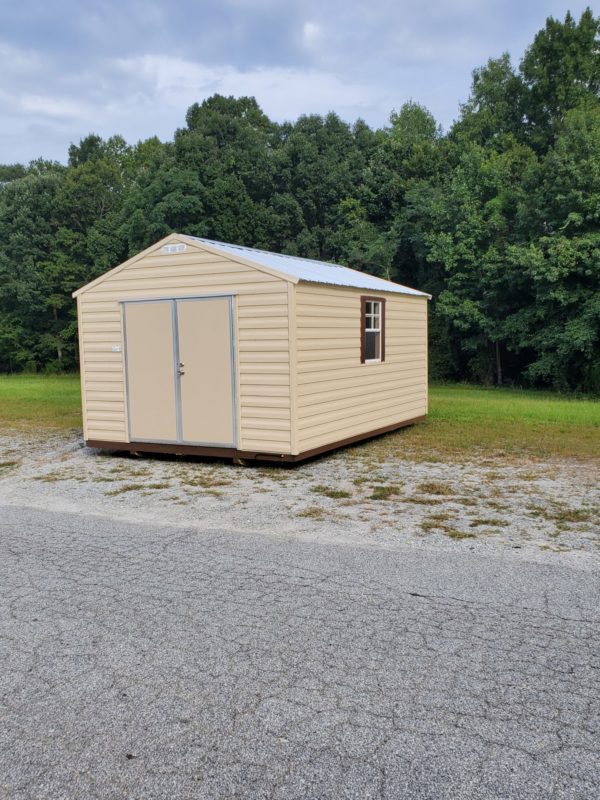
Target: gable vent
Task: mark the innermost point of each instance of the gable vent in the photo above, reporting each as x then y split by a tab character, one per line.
169	249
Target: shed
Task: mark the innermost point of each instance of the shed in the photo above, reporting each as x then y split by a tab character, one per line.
200	347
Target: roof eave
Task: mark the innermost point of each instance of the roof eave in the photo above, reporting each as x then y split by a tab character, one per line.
402	291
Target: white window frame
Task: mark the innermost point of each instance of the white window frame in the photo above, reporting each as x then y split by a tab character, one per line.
375	313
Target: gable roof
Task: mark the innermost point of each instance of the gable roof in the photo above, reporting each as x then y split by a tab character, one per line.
290	268
308	269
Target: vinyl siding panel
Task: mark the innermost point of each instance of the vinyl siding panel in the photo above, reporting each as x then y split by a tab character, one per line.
336	396
262	341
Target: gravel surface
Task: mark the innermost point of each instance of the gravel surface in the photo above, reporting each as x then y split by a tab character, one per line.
543	507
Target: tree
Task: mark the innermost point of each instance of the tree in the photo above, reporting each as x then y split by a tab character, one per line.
494	113
560	215
320	164
28	228
10	172
560	69
471	215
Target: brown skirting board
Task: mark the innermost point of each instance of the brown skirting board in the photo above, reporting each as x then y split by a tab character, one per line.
246	455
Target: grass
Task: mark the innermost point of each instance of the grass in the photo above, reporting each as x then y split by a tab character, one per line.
434	487
454	534
40	401
136	487
312	512
436	522
334	494
203	481
463	421
467	420
384	492
442	523
421	501
563	515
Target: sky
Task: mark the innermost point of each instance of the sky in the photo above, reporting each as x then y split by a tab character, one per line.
133	67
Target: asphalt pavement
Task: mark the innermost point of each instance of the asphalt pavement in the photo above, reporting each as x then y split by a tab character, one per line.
147	662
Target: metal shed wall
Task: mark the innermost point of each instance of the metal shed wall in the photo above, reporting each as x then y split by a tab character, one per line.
262	341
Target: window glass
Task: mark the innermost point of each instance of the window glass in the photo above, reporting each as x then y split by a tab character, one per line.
372	345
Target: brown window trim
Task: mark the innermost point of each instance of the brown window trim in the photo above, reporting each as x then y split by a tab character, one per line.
364	299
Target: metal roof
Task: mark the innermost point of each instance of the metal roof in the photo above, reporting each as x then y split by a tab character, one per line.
307	269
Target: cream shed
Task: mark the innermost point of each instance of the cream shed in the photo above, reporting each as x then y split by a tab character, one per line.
200	347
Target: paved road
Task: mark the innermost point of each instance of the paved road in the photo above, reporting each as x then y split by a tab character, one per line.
148	662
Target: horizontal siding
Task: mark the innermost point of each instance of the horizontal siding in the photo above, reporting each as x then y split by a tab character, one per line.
262	342
346	381
338	397
264	371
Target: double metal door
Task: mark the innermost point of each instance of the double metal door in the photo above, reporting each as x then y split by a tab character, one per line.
180	370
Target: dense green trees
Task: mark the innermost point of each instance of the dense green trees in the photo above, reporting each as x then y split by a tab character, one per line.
499	218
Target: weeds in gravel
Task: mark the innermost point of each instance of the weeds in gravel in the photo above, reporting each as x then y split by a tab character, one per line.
334	494
136	473
274	473
466	501
384	492
440	522
562	515
204	481
422	501
313	512
566	515
436	522
556	549
491	521
435	487
137	487
454	534
50	477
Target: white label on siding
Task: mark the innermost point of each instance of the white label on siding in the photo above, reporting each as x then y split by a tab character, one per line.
116	348
169	249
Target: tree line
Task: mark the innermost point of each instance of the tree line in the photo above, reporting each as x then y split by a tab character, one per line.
498	218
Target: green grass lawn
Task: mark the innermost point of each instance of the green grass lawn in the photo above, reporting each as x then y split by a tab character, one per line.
463	420
40	401
488	421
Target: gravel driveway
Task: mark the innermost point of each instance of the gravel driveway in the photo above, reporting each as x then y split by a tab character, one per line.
354	628
358	494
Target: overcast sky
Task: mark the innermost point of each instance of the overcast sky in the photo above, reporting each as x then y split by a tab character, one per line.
71	67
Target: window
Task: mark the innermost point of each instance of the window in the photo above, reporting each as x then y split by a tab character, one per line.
372	345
